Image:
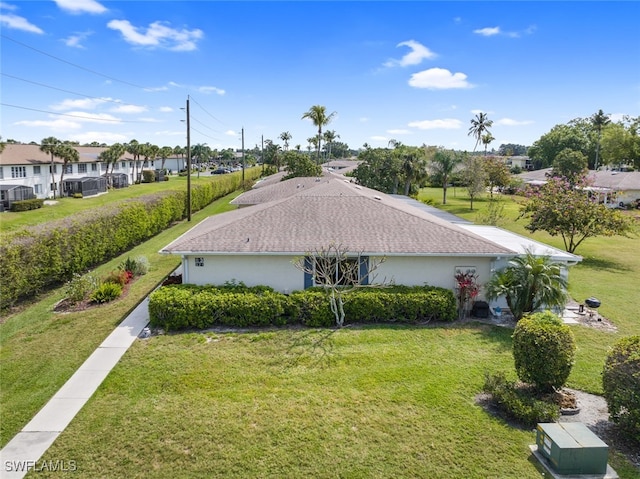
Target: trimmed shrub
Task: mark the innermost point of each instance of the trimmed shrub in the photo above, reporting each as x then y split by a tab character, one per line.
621	385
517	403
543	350
26	205
77	195
148	176
106	292
181	306
120	277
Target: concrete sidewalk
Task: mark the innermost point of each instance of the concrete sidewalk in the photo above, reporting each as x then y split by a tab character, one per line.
24	451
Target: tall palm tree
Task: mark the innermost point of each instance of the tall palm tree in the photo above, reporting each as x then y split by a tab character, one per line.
414	166
134	148
164	153
318	115
285	136
329	137
179	150
443	164
69	155
599	121
529	283
480	125
51	145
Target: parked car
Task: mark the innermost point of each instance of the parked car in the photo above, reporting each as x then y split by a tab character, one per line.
220	171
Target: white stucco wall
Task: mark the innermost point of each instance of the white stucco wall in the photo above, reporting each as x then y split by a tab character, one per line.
278	271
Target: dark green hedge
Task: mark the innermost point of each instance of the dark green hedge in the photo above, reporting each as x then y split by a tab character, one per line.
26	205
176	307
37	258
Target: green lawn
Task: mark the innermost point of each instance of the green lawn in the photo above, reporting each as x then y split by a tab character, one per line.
359	402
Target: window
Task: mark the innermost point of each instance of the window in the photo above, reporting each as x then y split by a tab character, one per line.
68	169
53	169
82	168
103	166
1	173
18	172
116	166
53	187
347	273
123	164
94	167
199	261
36	170
37	189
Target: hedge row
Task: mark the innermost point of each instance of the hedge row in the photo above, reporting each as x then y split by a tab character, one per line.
50	254
26	205
175	307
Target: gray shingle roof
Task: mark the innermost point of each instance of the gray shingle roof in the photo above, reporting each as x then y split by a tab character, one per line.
357	218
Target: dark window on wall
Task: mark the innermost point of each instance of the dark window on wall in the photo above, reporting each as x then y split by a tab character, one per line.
199	261
68	169
82	168
36	170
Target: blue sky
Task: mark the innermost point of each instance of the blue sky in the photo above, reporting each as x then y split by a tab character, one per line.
416	72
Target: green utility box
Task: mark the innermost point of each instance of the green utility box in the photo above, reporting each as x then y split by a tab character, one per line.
572	448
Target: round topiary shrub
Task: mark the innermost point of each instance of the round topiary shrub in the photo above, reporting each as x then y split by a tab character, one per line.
543	350
621	385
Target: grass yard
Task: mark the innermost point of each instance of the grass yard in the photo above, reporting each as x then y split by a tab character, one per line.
40	349
387	401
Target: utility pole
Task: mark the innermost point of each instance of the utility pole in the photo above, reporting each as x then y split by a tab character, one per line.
243	156
262	153
188	163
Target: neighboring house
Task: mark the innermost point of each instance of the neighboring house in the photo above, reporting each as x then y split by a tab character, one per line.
614	188
258	244
342	166
522	162
26	165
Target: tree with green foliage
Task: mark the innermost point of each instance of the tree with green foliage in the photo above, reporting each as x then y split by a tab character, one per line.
544	351
571	165
571	211
51	146
620	144
134	148
487	139
497	173
480	125
544	150
621	385
443	163
414	167
319	117
164	153
299	165
380	169
599	120
329	137
474	176
512	149
528	284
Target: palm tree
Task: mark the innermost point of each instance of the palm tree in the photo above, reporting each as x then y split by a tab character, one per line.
179	150
414	166
51	146
479	127
486	139
69	155
599	121
134	148
318	115
285	136
443	164
164	153
529	283
329	137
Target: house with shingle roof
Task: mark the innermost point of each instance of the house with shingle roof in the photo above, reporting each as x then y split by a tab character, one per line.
258	244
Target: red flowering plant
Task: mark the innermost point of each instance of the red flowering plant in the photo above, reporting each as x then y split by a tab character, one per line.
467	290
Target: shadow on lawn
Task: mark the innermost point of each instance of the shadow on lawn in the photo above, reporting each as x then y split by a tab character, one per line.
601	264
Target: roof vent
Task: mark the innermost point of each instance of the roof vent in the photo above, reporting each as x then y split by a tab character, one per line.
358	187
377	198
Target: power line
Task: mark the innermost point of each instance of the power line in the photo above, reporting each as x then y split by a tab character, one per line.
73	64
206	126
65	91
205	110
115	120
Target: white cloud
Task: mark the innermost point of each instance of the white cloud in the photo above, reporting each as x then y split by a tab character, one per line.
80	6
363	119
418	53
107	137
94	117
399	132
84	103
488	31
379	138
149	120
129	109
211	89
231	133
439	79
512	122
444	124
157	35
14	22
76	39
165	109
58	124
